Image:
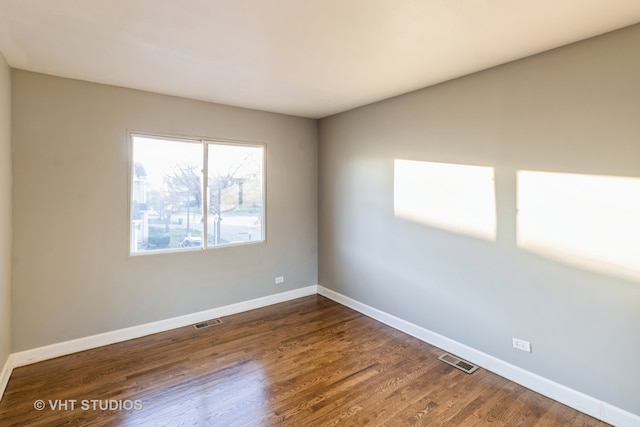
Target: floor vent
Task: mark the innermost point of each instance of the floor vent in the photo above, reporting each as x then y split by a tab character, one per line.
207	323
456	362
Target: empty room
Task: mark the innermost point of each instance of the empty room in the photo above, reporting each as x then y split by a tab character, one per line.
320	213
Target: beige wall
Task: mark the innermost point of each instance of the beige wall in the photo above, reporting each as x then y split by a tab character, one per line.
73	276
5	212
574	109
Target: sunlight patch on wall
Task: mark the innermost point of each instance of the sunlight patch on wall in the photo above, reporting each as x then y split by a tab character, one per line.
453	197
588	221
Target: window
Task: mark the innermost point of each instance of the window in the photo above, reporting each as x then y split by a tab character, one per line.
183	190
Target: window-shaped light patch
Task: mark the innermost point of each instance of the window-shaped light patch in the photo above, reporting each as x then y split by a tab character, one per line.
453	197
588	221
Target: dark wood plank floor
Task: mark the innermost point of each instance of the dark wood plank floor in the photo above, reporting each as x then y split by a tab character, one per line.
307	362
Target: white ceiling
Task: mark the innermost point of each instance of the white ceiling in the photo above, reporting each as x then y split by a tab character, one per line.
309	58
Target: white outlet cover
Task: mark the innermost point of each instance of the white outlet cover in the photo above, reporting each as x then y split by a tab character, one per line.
522	345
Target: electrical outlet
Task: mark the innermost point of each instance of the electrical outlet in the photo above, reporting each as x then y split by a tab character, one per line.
279	280
522	345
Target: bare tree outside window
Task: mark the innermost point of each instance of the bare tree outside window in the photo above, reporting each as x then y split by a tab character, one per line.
168	210
235	193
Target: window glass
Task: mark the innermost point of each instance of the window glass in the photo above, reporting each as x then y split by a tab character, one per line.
235	190
172	210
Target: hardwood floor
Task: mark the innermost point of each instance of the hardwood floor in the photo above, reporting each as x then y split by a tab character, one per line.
307	362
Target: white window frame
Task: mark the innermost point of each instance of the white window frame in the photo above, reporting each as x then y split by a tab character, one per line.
205	142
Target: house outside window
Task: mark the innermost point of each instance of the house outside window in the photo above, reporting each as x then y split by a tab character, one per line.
191	194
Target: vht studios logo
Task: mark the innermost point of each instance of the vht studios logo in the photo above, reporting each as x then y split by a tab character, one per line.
88	405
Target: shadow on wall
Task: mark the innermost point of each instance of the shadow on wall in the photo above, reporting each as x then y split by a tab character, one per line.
587	221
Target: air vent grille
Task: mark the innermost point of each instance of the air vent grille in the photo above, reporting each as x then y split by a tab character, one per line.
456	362
207	323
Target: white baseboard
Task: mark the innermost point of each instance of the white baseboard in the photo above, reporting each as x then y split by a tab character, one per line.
6	374
86	343
573	398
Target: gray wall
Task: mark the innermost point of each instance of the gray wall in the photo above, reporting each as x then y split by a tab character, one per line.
5	212
72	275
574	109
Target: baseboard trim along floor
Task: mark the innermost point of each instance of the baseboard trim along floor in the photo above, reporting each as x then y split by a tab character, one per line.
6	374
572	398
28	357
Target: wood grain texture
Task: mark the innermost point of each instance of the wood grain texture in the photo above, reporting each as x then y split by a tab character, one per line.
307	362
